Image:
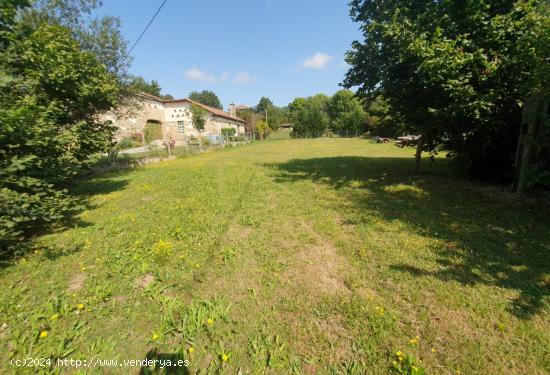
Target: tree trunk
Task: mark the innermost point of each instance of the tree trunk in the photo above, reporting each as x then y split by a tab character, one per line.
418	155
535	110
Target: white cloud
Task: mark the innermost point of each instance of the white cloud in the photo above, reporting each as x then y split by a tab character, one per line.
244	77
198	75
317	61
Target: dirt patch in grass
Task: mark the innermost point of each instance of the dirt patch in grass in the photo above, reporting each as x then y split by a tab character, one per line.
144	281
319	270
77	282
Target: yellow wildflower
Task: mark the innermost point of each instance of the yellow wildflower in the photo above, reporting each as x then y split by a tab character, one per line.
414	340
433	350
54	317
225	357
155	337
43	334
210	321
191	350
80	306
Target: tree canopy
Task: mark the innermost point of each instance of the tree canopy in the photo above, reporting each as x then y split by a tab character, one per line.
346	113
100	35
50	99
454	71
206	97
309	116
138	83
198	117
264	104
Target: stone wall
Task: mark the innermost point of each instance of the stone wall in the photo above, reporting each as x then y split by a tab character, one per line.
175	117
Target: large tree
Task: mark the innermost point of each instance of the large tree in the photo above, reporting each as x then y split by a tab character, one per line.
264	104
138	84
100	35
50	98
450	70
346	113
309	116
206	97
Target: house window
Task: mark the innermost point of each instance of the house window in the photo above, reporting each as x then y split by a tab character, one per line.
181	127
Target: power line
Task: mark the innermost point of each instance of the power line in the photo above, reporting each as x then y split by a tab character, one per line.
146	27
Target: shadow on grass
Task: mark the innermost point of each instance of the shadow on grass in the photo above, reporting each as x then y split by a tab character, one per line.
164	363
488	238
81	190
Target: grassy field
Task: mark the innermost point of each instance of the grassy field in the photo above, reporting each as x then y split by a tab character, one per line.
288	256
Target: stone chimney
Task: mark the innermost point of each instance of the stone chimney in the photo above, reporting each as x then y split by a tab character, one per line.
232	110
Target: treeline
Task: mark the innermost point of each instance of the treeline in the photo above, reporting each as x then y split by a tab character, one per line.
60	68
471	77
314	116
264	118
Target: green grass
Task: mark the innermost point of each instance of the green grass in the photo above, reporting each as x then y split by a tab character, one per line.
289	256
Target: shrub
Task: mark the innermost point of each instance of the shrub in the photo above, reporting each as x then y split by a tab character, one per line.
125	143
228	132
49	99
262	129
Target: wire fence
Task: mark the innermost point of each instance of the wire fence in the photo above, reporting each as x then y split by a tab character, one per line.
343	133
190	144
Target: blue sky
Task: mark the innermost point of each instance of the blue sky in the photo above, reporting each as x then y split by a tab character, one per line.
241	49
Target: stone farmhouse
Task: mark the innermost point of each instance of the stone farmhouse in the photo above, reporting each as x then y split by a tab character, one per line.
173	117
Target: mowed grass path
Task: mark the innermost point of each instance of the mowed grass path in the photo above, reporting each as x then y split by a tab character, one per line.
291	256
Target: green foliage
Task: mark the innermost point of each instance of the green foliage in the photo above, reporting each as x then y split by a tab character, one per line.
152	131
346	113
406	364
140	84
309	116
264	104
206	97
454	72
126	143
50	96
99	35
275	115
198	117
228	132
262	129
382	120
